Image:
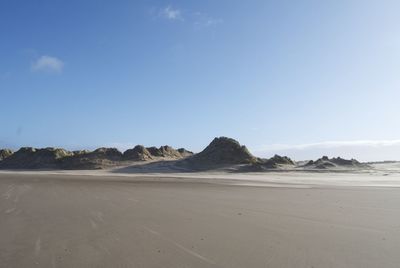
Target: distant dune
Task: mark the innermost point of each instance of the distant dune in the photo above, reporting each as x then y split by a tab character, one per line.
57	158
221	154
325	163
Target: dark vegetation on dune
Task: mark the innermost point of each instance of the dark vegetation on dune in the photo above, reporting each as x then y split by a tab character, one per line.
138	153
326	163
275	162
4	153
56	158
222	152
101	157
32	158
168	151
184	152
225	151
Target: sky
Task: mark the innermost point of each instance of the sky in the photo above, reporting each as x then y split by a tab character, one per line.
301	78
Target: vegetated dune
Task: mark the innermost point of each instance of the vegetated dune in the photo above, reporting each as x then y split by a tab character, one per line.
111	157
4	153
167	151
275	162
57	158
184	152
225	152
138	153
99	158
336	162
221	154
32	158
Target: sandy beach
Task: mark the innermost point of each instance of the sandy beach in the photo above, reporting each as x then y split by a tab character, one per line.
72	219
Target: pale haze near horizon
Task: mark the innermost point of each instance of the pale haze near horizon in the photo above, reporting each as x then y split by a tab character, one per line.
299	79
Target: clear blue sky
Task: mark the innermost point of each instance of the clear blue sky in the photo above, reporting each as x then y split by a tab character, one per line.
88	73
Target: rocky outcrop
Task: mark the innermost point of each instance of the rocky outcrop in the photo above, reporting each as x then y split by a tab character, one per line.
4	153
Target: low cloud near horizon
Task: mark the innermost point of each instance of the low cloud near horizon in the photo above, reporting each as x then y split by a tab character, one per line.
48	64
363	150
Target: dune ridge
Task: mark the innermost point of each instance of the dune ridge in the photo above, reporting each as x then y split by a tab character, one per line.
222	153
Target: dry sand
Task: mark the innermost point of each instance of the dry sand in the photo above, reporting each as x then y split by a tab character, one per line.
99	219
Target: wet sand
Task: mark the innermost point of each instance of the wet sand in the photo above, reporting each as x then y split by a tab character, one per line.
61	220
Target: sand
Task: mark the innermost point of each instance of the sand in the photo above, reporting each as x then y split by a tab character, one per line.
102	219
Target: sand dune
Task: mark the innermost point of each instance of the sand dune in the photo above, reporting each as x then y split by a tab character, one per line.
222	153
